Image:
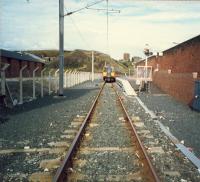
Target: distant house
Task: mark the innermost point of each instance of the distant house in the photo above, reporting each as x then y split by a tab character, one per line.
17	60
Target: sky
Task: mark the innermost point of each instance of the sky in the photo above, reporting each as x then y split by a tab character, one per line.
33	24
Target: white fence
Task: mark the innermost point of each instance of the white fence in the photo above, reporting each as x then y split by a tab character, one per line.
47	83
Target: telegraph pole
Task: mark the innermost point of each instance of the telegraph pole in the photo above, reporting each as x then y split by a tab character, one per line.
61	46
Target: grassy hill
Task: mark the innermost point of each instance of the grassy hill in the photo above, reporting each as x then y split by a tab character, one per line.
79	59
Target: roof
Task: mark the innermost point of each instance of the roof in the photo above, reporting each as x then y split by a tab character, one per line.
185	43
20	56
143	60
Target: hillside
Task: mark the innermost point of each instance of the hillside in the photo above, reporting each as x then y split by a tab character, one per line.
79	59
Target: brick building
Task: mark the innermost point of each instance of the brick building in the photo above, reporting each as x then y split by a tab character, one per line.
17	60
177	70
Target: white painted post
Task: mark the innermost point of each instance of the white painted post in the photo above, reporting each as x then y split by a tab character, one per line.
65	85
50	81
3	79
42	82
34	82
90	78
77	77
21	84
73	78
85	76
56	80
70	79
80	77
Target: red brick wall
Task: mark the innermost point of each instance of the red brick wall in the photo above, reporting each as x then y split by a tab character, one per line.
182	60
178	85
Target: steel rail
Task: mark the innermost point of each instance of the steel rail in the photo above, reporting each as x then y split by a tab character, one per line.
61	174
145	157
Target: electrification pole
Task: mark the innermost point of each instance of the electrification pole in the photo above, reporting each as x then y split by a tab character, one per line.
92	65
61	37
61	46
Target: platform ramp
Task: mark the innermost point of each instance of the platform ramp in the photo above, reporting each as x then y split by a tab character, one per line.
127	86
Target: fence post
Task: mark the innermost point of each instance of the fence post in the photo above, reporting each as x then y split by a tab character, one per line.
85	76
34	82
21	84
3	79
50	81
56	80
42	82
73	78
77	78
80	77
68	79
65	75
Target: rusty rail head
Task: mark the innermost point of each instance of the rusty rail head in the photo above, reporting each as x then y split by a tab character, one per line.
61	174
152	172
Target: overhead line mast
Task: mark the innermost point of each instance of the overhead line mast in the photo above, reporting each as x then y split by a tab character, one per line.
61	39
61	36
61	46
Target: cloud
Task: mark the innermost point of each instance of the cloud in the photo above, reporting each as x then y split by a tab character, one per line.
34	25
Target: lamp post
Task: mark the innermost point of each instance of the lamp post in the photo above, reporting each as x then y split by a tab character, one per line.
147	54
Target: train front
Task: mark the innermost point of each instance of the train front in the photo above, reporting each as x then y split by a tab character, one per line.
109	74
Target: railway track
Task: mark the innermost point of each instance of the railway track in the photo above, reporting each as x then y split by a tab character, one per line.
106	147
